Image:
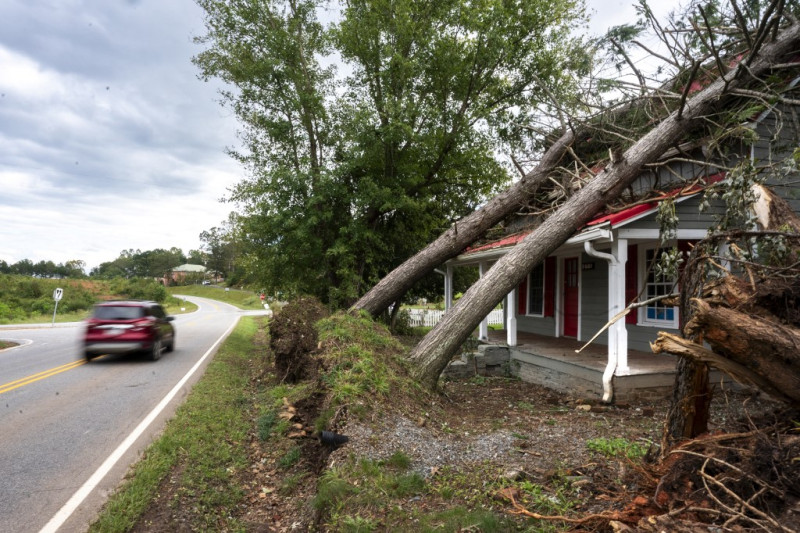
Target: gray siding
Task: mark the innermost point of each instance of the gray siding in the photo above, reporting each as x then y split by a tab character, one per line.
640	337
594	298
594	311
688	213
537	325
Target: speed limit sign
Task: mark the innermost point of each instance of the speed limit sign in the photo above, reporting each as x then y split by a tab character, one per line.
57	294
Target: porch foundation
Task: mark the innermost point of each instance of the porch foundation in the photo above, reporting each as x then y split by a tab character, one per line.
571	378
553	363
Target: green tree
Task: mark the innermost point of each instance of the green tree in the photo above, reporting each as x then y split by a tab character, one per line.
220	246
75	268
136	263
350	174
196	257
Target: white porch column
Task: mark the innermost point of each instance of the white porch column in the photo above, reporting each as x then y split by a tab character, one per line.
483	330
511	318
616	303
448	288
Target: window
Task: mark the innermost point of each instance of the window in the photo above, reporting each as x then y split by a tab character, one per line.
536	291
657	313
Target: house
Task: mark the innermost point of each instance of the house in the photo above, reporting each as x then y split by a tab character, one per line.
180	273
577	294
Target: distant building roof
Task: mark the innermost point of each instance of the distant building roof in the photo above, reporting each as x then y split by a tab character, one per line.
189	268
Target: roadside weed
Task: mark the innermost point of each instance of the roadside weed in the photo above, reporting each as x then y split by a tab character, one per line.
617	447
291	457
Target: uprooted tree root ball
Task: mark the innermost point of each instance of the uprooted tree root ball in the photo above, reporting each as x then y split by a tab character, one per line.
745	480
293	338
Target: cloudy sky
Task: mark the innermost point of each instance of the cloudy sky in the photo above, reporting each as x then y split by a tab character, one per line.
108	140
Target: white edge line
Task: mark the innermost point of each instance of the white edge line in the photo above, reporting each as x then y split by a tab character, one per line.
21	344
82	493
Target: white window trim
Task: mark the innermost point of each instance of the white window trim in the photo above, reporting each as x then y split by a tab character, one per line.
642	319
528	294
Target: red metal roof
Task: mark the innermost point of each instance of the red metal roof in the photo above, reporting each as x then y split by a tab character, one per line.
510	240
625	214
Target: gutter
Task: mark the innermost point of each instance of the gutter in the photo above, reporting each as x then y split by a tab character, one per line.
611	366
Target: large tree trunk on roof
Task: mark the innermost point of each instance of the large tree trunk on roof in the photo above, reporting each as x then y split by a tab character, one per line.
433	353
463	233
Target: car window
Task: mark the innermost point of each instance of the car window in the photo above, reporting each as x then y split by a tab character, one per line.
158	312
118	312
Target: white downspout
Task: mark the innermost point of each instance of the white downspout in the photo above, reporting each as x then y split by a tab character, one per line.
613	331
511	317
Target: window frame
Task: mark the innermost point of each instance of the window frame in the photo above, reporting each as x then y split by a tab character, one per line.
644	287
541	289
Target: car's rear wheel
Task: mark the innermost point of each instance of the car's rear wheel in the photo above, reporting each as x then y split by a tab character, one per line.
155	351
88	356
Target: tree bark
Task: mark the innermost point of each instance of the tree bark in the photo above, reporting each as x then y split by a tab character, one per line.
766	347
691	400
689	351
433	353
462	233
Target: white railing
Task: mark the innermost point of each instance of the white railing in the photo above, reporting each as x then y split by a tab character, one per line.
430	317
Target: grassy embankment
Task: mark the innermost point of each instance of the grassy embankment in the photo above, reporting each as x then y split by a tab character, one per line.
228	462
26	300
239	298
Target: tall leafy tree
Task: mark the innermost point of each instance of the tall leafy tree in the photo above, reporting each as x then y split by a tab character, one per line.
220	246
349	174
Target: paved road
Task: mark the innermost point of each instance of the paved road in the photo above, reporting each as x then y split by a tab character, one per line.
61	418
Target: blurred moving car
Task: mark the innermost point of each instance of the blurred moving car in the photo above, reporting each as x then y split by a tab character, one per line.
128	326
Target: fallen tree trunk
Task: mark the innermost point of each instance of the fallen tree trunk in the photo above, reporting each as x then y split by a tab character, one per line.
669	343
767	348
433	353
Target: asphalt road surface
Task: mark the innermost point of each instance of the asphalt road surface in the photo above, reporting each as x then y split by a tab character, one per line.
65	423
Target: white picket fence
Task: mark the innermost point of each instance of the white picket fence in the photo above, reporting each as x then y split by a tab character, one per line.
430	317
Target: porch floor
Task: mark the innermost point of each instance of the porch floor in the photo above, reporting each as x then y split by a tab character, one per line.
594	356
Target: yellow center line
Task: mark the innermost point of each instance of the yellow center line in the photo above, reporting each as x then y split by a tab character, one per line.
41	375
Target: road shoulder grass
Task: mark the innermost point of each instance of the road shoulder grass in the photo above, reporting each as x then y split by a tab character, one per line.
198	454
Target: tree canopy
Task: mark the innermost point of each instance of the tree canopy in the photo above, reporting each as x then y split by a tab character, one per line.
144	264
351	170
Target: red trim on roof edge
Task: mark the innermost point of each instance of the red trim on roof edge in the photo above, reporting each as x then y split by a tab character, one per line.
625	214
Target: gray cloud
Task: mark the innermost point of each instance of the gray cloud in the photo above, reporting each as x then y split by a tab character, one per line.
108	140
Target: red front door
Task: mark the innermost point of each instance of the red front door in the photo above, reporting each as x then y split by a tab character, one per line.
571	297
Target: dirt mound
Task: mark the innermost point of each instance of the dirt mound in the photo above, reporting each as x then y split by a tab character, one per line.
293	338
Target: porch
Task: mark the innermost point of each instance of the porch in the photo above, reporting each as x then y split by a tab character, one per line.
552	362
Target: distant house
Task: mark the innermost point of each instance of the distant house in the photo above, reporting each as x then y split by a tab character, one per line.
608	263
180	273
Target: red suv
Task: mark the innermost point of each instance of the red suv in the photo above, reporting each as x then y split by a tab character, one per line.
128	326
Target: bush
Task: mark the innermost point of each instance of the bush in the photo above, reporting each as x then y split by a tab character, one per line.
8	313
402	323
140	289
